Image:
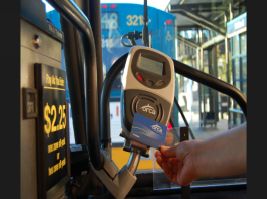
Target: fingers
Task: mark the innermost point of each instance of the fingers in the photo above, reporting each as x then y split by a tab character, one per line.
157	154
178	151
159	158
187	174
165	163
176	162
166	168
172	165
168	151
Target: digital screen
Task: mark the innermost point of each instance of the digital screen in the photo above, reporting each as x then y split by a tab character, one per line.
150	65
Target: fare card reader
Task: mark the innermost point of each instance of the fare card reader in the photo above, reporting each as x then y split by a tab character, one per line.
148	94
147	98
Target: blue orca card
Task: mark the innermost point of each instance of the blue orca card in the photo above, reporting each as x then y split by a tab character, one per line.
148	131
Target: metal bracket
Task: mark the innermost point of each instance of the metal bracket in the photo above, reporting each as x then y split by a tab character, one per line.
119	183
30	108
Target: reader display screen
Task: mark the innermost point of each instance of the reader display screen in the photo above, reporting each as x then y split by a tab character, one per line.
150	65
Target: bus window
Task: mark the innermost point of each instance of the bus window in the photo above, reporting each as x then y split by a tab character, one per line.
208	113
53	17
207	35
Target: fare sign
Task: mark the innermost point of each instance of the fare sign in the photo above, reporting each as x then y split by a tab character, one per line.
52	125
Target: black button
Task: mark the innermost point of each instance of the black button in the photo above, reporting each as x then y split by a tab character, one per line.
147	108
159	83
149	82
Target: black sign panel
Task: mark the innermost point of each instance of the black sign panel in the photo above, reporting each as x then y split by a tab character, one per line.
52	136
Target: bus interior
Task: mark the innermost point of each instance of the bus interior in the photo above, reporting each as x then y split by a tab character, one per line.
72	56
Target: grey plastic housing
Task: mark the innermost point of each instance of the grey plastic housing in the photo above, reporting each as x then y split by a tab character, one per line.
161	97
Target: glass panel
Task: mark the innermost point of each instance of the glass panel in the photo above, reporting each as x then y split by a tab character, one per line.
237	84
237	68
244	66
236	49
236	78
206	61
208	112
244	74
239	60
115	121
181	38
243	40
245	87
53	17
221	61
208	115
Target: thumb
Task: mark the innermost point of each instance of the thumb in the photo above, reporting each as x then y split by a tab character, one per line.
182	150
168	151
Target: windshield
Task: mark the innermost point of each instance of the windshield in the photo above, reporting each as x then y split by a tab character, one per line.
208	35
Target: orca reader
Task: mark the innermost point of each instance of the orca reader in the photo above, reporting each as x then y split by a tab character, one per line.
147	90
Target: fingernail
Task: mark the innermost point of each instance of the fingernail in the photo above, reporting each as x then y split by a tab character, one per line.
163	148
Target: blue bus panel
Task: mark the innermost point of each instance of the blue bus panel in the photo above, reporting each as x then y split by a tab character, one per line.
119	19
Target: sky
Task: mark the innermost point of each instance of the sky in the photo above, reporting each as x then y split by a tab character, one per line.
160	4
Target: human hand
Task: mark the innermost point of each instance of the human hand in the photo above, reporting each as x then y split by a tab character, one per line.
177	162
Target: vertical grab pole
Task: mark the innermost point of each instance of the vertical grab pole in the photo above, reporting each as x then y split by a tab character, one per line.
73	13
145	28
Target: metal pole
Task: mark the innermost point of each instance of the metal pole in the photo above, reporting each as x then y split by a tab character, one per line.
145	28
73	13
